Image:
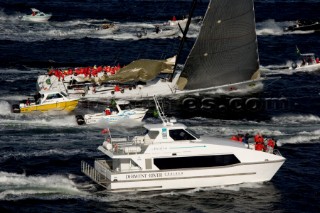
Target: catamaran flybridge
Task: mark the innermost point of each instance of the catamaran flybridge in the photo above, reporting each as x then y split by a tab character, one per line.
224	57
170	156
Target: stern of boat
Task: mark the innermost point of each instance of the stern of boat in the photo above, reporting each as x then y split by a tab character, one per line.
100	173
15	108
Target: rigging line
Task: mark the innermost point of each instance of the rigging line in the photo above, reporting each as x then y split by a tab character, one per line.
194	2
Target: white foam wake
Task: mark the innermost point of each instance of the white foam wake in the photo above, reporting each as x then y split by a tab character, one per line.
313	137
296	119
16	185
271	27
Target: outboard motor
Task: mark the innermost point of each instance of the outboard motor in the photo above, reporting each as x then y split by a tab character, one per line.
294	65
16	108
80	119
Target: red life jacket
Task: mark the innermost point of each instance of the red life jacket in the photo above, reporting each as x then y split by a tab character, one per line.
117	88
271	143
259	147
256	138
107	111
234	138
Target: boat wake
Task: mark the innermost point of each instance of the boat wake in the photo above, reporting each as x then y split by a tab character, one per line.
302	137
271	27
19	186
16	30
296	119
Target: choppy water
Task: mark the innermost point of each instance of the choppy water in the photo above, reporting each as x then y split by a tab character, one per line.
40	154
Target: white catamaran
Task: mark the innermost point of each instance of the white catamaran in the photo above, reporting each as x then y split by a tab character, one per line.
169	156
224	57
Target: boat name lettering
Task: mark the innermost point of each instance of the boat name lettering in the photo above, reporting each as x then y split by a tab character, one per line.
139	176
153	175
160	148
173	174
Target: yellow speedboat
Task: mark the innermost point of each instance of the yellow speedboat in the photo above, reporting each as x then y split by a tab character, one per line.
47	101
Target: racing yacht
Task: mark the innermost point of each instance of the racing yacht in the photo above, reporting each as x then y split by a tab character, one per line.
224	58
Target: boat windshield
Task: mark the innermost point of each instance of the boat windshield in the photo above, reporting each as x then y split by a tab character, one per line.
180	134
193	133
125	107
64	94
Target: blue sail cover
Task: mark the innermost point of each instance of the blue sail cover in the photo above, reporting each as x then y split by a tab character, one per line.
226	49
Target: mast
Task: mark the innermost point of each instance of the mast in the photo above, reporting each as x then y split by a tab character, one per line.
184	36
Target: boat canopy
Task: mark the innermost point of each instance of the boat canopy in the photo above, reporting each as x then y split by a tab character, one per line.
140	70
35	10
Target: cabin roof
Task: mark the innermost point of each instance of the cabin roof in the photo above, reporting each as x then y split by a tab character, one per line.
160	126
307	54
49	92
122	102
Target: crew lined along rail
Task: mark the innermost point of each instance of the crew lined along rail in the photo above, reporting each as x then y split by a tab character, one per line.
86	71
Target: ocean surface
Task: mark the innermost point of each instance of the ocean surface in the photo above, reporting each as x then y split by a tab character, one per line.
40	154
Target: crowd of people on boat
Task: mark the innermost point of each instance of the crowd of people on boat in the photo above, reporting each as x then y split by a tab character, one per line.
309	61
86	71
260	143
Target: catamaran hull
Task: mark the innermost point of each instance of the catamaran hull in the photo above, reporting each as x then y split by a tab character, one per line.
184	178
67	106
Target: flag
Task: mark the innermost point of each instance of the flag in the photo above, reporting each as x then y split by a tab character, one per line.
298	51
105	131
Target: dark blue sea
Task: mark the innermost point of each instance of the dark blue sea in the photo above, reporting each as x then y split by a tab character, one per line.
40	154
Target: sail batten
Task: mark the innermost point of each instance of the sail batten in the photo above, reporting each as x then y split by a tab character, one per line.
226	50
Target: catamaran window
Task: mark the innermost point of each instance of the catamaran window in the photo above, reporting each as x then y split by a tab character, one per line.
180	134
195	162
53	96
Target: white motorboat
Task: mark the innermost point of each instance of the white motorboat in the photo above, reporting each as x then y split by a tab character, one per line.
107	28
36	16
307	63
170	156
224	58
156	33
120	110
175	22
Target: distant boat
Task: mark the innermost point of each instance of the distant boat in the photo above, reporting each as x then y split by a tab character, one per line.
175	22
224	57
119	112
107	28
307	62
36	16
47	101
156	33
304	25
